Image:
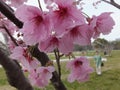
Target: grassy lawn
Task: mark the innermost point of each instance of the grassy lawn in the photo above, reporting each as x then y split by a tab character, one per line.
109	80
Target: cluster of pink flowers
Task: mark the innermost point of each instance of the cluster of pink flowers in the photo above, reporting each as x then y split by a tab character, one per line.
22	55
38	74
61	27
99	24
41	76
80	69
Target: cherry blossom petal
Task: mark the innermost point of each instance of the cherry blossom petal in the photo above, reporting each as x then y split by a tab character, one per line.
100	24
80	69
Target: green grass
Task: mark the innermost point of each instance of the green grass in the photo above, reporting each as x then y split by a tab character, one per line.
98	82
109	80
3	81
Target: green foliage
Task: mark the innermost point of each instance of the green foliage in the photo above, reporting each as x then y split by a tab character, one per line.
100	43
3	79
116	44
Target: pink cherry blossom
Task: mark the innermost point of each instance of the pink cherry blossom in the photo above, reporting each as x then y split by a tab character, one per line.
17	3
20	54
65	15
10	44
46	71
48	2
63	44
8	25
1	16
80	34
102	24
41	76
4	0
36	24
80	69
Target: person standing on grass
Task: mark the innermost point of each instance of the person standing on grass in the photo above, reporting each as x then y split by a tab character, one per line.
98	62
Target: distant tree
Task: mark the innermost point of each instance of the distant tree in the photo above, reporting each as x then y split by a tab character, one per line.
81	48
103	45
116	44
100	43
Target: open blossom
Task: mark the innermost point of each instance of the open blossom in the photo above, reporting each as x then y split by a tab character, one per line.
102	24
20	54
36	23
80	69
41	76
63	44
65	15
80	34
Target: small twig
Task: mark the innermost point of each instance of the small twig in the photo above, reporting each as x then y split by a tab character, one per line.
11	37
9	13
112	2
85	15
61	55
40	4
57	56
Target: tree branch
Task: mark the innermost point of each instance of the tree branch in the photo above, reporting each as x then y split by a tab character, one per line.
57	55
13	71
112	2
8	12
7	31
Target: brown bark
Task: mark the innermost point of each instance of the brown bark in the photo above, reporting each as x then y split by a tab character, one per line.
13	71
42	57
8	12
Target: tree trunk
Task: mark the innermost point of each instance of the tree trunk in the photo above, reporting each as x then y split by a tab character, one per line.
13	71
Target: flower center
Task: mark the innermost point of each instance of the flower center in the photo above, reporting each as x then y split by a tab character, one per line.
38	20
78	63
74	32
46	71
54	41
62	12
